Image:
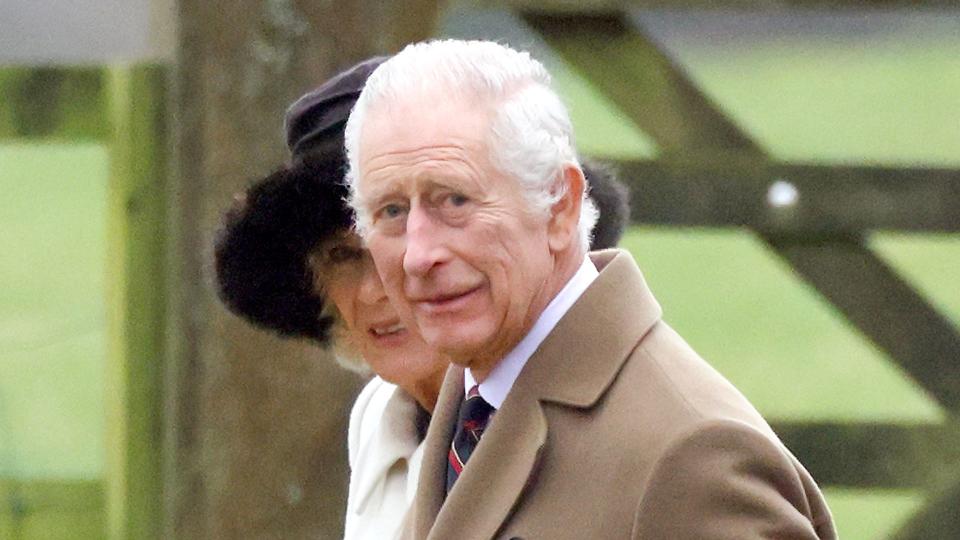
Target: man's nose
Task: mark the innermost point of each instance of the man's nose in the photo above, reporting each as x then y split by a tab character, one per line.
424	249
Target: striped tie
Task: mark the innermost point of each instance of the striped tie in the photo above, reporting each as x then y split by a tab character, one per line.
474	415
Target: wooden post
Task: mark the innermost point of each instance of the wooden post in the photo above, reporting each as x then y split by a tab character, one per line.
136	301
256	425
52	102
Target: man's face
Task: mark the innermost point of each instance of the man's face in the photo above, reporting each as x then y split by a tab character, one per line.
453	239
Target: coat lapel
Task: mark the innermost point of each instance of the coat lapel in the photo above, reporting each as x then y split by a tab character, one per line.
395	439
583	354
431	485
496	474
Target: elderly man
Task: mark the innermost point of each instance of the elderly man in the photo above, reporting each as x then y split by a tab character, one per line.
573	411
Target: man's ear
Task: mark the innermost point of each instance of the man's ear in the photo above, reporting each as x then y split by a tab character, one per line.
565	213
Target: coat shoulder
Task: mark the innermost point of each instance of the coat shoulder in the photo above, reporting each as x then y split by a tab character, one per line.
727	479
694	447
670	379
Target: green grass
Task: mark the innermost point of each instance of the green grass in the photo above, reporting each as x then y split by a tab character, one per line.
51	310
868	514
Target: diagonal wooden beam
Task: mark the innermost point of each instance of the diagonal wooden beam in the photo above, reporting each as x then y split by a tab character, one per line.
937	519
727	191
873	455
885	308
643	81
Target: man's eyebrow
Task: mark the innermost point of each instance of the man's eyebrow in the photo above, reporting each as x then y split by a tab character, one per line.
377	196
432	181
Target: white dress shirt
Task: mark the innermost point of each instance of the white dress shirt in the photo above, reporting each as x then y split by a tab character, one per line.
497	385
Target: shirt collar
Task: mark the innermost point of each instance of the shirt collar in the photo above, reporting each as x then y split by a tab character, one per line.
495	387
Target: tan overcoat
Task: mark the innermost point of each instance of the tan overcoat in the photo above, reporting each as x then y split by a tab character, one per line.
616	428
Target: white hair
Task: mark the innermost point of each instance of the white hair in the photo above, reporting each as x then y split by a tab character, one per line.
530	138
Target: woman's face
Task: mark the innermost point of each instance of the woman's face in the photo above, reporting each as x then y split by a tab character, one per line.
369	324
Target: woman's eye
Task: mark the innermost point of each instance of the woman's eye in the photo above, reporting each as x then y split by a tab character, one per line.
342	254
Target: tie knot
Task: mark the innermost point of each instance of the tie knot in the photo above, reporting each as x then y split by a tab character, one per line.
475	411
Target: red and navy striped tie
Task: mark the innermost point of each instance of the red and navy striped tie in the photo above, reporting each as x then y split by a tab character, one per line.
474	415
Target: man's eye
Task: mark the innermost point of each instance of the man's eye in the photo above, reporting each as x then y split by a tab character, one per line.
391	211
452	200
457	199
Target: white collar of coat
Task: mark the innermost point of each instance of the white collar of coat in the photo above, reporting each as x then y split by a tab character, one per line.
396	438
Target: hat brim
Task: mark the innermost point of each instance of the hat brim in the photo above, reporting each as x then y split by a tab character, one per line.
262	249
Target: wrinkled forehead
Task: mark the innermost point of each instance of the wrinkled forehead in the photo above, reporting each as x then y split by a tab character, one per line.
425	113
419	135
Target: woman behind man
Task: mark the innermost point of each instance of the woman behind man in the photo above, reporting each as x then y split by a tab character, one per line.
287	247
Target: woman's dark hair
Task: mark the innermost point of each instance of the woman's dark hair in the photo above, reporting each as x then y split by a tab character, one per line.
612	199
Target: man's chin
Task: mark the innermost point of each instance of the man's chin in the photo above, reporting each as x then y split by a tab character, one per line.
461	347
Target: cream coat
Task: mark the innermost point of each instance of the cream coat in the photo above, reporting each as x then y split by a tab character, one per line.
385	453
617	429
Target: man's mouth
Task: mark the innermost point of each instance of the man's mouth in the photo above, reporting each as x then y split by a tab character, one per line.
446	301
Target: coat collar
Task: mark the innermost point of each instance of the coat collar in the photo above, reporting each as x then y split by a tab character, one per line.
395	439
610	317
431	486
494	479
574	366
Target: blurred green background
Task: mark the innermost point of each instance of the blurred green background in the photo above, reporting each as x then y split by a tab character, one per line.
885	97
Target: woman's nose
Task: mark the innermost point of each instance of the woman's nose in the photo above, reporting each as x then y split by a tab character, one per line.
371	288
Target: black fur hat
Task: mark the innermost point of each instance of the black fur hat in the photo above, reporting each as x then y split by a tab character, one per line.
262	249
